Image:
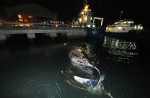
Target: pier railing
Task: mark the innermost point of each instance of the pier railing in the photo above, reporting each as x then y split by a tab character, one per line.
9	28
22	25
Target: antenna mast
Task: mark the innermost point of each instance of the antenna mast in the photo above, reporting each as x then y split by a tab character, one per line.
121	14
85	1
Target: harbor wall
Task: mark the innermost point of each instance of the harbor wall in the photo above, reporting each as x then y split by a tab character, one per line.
53	33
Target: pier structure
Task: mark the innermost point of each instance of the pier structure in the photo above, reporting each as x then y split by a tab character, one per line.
31	29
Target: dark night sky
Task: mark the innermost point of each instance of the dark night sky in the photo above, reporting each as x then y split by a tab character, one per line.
108	9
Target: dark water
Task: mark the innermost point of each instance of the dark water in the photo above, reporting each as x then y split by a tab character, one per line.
33	69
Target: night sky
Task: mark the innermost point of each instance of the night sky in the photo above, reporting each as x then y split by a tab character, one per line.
108	9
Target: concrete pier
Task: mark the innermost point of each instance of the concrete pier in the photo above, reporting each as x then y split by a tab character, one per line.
53	32
3	37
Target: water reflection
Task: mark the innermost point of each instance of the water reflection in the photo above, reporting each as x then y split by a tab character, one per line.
120	50
36	72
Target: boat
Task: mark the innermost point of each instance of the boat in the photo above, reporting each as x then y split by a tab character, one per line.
124	26
126	29
92	24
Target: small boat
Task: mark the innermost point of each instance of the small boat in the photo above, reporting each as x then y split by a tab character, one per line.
124	26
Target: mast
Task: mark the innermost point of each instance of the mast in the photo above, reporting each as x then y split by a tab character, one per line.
85	2
121	14
85	15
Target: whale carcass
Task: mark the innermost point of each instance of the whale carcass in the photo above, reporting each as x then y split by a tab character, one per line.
82	73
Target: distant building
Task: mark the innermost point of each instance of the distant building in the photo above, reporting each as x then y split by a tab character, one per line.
28	13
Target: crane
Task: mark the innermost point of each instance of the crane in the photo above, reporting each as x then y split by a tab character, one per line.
97	18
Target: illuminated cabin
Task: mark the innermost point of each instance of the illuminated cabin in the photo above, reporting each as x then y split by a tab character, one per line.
85	16
124	26
29	13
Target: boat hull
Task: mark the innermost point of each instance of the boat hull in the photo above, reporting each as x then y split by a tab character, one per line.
132	35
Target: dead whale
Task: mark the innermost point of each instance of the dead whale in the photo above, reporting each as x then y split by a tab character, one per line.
82	74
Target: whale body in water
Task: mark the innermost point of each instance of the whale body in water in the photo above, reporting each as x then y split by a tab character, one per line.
83	74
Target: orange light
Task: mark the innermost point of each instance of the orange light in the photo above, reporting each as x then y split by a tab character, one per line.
30	16
20	17
56	25
27	25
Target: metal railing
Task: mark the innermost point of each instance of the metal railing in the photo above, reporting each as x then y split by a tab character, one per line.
41	26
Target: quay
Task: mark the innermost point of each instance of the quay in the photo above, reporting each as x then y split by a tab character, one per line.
31	29
31	23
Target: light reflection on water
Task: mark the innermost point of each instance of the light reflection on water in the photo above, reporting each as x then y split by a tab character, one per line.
121	50
35	72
